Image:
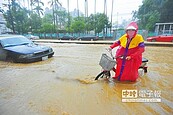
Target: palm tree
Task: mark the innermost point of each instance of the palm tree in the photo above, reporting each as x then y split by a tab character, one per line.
54	4
31	4
38	8
10	14
105	12
95	7
1	10
95	17
105	7
86	12
68	16
111	14
77	8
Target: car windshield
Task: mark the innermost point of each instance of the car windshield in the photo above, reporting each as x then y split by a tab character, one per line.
15	41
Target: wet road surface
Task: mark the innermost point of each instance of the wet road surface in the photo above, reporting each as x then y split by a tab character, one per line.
64	84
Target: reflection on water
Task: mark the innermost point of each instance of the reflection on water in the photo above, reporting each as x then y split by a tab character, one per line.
65	85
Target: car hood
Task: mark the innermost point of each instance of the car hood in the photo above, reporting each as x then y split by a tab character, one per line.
27	49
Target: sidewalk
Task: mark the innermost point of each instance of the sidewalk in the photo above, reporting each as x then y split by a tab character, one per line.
166	44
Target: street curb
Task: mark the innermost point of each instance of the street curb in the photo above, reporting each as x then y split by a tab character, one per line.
163	44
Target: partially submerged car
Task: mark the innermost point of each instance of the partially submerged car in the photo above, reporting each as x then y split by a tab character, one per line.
18	48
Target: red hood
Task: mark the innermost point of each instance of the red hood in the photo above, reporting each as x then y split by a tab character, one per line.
133	24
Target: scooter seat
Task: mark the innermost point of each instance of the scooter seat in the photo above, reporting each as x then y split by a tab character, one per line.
144	59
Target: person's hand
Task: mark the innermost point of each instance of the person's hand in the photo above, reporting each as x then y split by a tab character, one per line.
109	49
128	57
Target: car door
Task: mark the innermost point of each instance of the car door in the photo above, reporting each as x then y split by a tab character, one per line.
160	38
169	38
165	38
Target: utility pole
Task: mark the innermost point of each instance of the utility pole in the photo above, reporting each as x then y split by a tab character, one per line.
95	18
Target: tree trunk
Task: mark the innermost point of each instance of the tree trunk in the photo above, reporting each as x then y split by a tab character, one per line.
111	15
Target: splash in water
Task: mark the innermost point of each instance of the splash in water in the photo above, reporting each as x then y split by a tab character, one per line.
87	80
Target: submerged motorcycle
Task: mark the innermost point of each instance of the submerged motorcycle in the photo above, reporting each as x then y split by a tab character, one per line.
108	63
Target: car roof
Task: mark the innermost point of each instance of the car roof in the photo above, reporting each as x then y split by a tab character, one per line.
4	36
166	35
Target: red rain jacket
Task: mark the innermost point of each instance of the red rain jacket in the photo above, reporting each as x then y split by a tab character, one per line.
127	70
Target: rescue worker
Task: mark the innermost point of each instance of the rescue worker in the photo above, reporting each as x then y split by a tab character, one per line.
129	54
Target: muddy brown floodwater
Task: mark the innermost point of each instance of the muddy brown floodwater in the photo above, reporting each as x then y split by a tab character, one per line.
64	84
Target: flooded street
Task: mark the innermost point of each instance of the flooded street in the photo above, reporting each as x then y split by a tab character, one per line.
64	84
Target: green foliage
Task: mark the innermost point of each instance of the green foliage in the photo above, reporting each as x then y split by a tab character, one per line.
167	12
152	20
61	17
90	22
20	20
37	6
152	11
35	22
46	28
47	19
101	22
17	18
78	25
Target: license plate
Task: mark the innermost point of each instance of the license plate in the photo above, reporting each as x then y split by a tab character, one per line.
45	58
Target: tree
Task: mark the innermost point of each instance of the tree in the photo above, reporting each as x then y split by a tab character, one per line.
152	11
111	15
1	10
167	12
54	4
101	22
47	28
90	22
38	8
105	12
100	19
77	8
86	15
68	25
21	20
16	17
62	18
78	25
47	18
94	18
36	22
9	16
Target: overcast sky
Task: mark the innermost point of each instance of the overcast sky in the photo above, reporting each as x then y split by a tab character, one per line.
122	8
